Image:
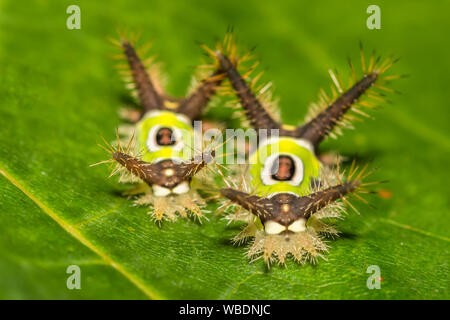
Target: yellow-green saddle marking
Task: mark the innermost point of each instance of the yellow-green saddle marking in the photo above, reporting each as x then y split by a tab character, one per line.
181	127
306	163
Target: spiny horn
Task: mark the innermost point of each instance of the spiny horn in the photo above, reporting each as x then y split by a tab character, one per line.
188	170
193	105
148	96
314	202
139	168
257	115
319	127
261	207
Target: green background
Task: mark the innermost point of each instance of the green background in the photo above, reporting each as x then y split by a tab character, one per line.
59	91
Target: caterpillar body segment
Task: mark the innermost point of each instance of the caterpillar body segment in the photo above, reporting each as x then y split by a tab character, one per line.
290	191
161	155
284	224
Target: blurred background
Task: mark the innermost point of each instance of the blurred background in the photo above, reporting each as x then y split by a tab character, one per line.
60	91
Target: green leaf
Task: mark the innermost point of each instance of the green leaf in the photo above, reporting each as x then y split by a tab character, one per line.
59	92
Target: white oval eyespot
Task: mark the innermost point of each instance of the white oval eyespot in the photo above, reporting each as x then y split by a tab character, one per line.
294	174
298	225
160	191
181	188
154	145
272	227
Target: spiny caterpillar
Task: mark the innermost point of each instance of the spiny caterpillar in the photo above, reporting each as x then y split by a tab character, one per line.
162	161
290	191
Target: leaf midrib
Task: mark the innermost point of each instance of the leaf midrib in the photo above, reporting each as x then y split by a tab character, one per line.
75	233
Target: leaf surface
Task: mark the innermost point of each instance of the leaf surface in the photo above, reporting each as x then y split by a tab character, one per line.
59	92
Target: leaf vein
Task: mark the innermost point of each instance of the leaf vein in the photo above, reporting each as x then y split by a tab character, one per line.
408	227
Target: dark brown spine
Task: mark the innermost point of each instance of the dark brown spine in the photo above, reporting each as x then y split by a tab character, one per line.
188	170
318	200
148	96
193	105
256	205
137	167
319	127
256	114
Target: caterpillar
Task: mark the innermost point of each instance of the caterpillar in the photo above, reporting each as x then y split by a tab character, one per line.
159	155
291	193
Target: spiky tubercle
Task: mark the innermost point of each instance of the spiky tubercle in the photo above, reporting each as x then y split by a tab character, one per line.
143	77
331	114
137	167
327	117
132	169
316	201
154	173
318	128
148	95
255	99
193	105
255	112
257	205
304	207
